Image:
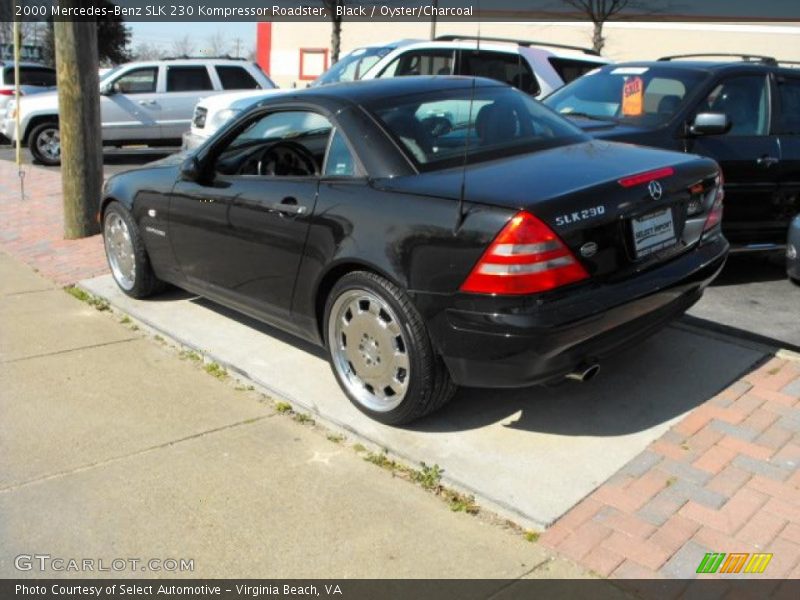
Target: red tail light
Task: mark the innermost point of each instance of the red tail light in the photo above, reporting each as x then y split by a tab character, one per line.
526	257
646	177
7	92
714	217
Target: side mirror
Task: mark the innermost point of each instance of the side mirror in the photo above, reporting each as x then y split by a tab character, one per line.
710	124
190	169
108	89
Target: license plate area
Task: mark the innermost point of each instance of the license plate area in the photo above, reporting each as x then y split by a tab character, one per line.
653	232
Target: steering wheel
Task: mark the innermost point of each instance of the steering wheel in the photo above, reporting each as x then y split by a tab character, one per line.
286	158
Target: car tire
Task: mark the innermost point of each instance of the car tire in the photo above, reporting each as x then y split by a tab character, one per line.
44	143
126	254
398	382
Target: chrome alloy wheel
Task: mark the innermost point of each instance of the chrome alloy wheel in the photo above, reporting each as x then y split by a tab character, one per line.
48	143
368	350
119	250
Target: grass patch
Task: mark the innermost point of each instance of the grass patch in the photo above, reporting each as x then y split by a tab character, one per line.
774	370
283	407
84	296
217	371
303	418
190	355
359	448
532	536
159	339
336	438
125	320
428	477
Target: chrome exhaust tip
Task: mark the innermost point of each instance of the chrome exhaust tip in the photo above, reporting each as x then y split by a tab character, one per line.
584	374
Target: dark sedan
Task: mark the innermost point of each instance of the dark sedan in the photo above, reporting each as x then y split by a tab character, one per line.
428	231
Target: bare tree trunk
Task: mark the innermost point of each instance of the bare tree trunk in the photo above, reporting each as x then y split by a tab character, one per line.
336	38
598	41
79	125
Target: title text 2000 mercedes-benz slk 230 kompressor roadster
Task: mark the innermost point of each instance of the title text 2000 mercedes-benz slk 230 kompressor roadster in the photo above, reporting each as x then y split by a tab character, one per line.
428	231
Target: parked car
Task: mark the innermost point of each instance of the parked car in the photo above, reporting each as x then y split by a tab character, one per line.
33	79
213	112
536	68
353	65
342	215
793	251
744	112
149	102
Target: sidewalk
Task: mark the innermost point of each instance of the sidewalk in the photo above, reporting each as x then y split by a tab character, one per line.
112	446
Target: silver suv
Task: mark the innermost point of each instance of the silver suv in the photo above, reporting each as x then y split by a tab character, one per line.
149	103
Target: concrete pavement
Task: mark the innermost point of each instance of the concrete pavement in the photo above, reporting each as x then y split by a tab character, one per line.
111	446
529	454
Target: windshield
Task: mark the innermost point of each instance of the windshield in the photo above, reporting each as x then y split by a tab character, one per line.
441	129
644	96
109	73
353	66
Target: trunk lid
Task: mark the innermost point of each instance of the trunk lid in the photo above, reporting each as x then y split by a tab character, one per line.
577	190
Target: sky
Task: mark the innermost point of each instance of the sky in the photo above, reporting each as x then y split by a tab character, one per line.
162	34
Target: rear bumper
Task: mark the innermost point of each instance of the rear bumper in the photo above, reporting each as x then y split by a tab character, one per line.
516	345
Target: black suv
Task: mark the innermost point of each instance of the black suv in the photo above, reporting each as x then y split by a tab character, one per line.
742	111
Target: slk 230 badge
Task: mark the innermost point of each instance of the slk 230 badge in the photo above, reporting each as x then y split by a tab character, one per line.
580	215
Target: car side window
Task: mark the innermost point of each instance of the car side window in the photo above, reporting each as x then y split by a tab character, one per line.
745	100
512	69
138	81
188	79
287	143
789	94
420	62
236	78
340	161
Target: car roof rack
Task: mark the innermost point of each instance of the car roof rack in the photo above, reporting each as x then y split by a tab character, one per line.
187	57
768	60
526	43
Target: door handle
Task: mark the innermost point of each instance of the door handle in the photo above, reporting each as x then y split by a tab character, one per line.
767	161
147	102
289	206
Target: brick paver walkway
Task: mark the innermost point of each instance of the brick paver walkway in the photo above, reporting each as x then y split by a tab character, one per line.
32	228
724	479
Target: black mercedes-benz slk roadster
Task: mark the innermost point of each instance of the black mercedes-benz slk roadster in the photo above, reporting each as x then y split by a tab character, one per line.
428	231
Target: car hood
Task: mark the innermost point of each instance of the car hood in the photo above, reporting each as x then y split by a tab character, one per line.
601	129
528	179
239	100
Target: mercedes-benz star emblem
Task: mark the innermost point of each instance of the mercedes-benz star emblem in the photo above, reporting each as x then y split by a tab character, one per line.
655	189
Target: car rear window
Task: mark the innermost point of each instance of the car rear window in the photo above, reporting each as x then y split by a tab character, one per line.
442	129
236	78
38	76
188	79
570	69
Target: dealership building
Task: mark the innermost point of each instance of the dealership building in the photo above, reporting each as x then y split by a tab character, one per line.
295	53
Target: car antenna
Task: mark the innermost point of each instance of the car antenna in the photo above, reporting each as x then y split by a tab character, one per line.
460	217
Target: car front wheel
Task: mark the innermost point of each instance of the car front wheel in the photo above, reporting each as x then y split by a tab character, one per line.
126	254
45	144
380	351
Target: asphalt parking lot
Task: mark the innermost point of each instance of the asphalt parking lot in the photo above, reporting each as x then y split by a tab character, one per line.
752	298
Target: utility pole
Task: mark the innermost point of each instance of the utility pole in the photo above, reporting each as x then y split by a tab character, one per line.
433	19
238	41
79	125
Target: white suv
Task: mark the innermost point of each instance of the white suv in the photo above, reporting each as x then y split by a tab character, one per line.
141	103
536	68
33	79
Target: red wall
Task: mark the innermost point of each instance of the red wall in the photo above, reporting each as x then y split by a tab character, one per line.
264	46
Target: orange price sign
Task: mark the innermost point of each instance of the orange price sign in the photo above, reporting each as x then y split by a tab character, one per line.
633	97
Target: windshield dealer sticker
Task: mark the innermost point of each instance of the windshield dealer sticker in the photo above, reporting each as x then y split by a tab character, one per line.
580	215
633	97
